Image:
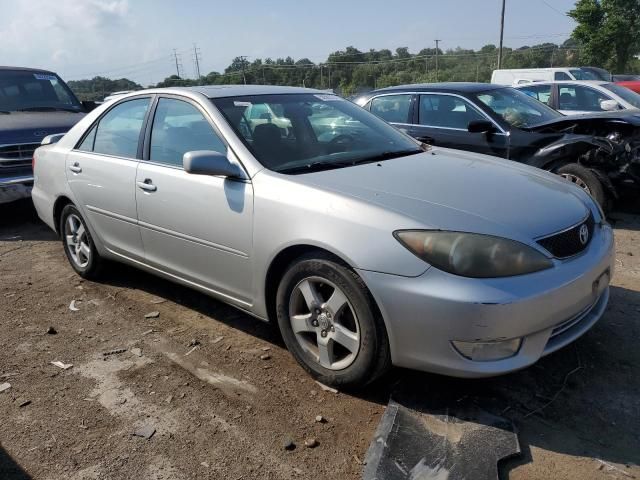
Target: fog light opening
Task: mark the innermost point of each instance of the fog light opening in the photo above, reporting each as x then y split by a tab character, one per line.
488	351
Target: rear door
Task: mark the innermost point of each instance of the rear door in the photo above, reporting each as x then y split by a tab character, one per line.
575	99
101	172
197	227
442	119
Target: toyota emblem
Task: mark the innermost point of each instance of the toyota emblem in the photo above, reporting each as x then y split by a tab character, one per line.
584	234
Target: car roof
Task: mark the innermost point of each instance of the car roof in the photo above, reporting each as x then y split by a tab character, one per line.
26	69
574	82
467	87
219	91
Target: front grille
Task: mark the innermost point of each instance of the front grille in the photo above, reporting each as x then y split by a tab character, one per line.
568	243
19	155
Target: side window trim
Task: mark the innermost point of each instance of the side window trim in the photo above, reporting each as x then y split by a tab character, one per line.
97	121
146	147
468	102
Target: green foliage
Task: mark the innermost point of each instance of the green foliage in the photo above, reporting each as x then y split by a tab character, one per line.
99	87
608	32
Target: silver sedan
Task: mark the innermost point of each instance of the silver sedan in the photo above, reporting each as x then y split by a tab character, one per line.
367	248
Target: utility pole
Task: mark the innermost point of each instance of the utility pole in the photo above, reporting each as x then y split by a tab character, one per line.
321	77
243	59
437	50
176	57
501	35
197	57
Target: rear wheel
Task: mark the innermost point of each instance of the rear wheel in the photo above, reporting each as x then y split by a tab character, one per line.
585	179
78	244
331	324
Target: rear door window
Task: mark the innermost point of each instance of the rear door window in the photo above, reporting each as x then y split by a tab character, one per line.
392	108
542	93
118	132
580	98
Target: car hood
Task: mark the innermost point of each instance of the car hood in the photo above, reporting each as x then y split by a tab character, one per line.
461	191
631	116
32	127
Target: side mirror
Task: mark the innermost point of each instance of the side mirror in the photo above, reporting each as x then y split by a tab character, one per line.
210	162
609	105
51	139
89	105
480	126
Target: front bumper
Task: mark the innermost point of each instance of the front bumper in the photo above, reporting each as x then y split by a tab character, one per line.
547	309
15	187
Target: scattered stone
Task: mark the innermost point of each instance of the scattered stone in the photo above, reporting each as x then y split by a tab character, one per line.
158	301
326	388
114	352
62	365
289	444
72	305
630	254
191	351
194	342
152	315
321	419
266	349
204	464
24	403
9	375
266	356
182	395
51	331
147	332
146	431
311	443
136	351
169	399
217	339
4	387
228	347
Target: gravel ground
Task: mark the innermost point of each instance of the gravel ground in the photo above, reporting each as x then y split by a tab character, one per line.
221	397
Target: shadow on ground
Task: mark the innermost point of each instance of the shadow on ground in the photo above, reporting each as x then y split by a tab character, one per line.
9	469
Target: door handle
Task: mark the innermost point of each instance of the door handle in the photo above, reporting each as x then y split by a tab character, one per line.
147	185
75	168
428	140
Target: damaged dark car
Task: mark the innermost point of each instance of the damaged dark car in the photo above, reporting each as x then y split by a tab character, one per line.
599	152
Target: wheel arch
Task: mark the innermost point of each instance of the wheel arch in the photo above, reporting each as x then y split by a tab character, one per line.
61	202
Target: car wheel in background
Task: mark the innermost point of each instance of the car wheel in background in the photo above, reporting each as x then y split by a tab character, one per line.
78	244
330	323
585	179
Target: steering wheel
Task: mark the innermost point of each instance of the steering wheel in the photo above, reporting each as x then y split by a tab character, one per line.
342	139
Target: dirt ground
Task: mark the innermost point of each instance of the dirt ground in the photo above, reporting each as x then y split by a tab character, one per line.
223	395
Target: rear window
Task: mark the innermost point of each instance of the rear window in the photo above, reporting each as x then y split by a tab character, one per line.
27	90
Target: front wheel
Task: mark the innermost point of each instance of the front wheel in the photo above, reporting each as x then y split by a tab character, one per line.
585	179
78	244
330	323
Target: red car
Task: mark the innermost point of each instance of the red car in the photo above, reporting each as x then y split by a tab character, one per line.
631	85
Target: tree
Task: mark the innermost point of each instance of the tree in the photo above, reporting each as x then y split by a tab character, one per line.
608	32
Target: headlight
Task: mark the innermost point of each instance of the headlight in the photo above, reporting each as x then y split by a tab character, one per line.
473	255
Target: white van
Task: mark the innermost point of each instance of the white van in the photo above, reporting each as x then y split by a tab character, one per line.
521	76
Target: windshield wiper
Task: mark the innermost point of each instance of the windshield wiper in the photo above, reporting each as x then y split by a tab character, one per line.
5	112
320	165
48	109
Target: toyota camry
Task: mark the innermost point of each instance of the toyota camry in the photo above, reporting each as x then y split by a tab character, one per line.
367	248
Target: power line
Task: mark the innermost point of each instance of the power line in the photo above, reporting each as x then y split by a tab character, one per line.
197	57
553	8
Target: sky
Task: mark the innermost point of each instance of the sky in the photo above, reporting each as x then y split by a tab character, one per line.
136	38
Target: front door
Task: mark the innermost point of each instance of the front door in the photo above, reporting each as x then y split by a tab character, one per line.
196	227
101	173
443	119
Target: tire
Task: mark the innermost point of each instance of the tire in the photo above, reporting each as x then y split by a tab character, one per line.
585	179
80	250
357	348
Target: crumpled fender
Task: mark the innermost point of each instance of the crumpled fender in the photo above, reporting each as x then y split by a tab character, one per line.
569	147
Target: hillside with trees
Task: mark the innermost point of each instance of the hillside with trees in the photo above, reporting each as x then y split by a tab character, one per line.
99	87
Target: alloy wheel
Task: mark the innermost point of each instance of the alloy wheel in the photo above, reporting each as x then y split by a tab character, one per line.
576	181
77	241
324	323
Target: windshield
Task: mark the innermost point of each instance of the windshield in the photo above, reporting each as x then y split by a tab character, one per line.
623	92
517	108
591	73
26	90
298	133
